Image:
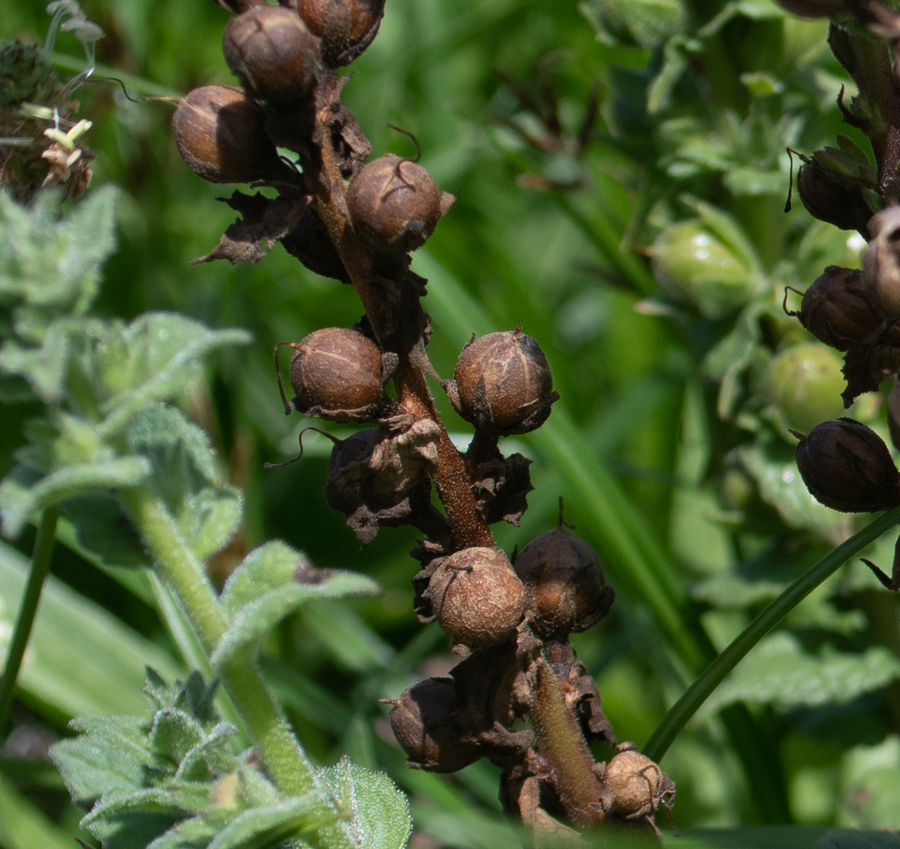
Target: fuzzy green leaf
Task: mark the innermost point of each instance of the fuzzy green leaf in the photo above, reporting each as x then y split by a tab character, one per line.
110	753
194	833
780	672
133	829
378	810
275	566
210	519
18	502
103	531
181	460
264	827
149	360
273	582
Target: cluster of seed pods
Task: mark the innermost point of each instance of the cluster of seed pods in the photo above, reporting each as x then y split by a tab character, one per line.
357	221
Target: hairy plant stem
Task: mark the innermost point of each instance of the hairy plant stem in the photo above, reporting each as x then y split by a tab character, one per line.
467	525
40	567
240	677
681	712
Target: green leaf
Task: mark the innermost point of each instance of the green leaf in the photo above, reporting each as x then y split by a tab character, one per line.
772	465
110	753
780	672
151	359
210	519
180	457
103	533
264	827
71	632
276	565
272	583
133	830
194	833
378	810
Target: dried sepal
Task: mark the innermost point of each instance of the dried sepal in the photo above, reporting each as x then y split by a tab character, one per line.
379	477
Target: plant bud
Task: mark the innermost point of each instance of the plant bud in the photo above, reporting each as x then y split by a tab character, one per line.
273	54
221	135
504	383
336	371
846	466
881	262
693	265
804	383
564	584
395	205
477	597
423	724
836	309
831	198
634	786
816	8
345	27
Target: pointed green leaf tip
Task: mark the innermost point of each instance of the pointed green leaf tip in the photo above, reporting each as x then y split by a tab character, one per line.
378	811
273	582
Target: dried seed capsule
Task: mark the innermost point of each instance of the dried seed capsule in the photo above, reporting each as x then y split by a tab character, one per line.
831	198
273	54
846	466
336	374
345	27
881	262
395	205
221	135
477	597
634	786
424	726
504	383
837	310
564	584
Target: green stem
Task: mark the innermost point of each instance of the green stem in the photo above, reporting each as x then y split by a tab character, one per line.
40	566
681	712
241	679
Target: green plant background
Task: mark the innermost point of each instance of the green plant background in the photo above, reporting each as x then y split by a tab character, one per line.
657	402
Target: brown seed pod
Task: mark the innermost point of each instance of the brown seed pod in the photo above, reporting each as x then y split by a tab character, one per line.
345	27
477	597
336	374
395	205
837	310
564	584
634	786
221	135
831	198
273	54
503	383
846	466
424	726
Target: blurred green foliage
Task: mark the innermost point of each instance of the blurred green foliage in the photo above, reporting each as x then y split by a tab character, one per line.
654	285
